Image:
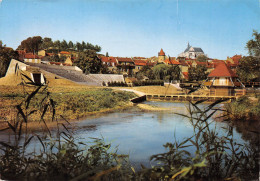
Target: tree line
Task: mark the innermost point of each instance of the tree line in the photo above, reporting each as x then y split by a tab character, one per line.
36	43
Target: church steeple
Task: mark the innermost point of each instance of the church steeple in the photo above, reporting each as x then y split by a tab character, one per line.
188	45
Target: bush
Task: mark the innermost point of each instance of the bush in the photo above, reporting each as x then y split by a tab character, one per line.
117	84
243	109
148	82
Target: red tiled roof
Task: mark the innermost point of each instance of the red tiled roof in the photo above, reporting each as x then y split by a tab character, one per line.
161	53
222	70
64	52
120	59
210	65
31	56
185	75
201	63
50	54
108	59
171	61
143	58
140	62
183	63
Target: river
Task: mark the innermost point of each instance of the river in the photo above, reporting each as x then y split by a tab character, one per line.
142	133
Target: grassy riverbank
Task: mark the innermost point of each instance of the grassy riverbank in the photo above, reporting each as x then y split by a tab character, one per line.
72	102
243	109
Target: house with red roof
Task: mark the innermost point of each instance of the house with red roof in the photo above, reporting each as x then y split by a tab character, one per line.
139	63
110	62
171	61
125	65
223	81
64	53
32	58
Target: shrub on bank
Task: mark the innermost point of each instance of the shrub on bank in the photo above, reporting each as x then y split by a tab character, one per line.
243	109
117	84
148	82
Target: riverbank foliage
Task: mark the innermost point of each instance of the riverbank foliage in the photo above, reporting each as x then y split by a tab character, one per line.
71	104
243	109
62	156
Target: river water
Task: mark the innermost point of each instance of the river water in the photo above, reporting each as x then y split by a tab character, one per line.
140	133
143	133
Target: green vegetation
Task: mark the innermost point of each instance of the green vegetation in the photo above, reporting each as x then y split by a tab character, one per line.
166	72
79	104
243	109
253	45
249	66
116	84
202	58
148	82
89	62
6	54
197	73
35	43
248	69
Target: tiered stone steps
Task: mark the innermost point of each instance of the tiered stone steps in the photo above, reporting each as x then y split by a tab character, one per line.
69	72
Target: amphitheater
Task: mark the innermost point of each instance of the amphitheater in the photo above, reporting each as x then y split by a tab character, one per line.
75	74
72	73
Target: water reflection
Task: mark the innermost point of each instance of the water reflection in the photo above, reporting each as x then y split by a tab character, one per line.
143	133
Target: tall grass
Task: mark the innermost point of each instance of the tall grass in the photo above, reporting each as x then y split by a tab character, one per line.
243	109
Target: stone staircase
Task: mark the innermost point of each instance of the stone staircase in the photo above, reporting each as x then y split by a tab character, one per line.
68	72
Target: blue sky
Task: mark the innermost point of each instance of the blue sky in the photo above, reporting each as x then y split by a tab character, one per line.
135	27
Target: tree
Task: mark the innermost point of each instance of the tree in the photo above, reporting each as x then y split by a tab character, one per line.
166	72
46	43
253	45
83	46
6	54
160	71
89	62
71	45
57	44
55	58
173	73
248	69
31	44
202	58
78	46
64	45
197	73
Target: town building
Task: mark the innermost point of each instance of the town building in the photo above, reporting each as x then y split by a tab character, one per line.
191	52
222	81
110	62
32	58
161	56
125	65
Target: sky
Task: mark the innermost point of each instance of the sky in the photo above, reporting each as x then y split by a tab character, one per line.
129	28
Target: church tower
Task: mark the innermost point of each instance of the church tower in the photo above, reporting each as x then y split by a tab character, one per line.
161	56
